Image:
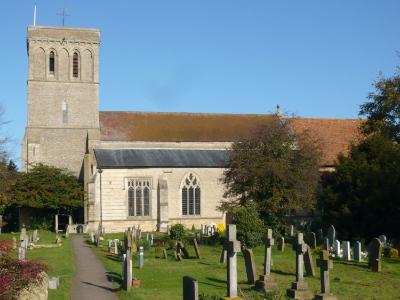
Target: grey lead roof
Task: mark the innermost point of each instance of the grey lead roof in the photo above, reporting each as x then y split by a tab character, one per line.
172	158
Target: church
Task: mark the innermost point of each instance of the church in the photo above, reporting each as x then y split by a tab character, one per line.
138	168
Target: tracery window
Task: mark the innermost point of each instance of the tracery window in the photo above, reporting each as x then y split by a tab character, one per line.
51	63
75	65
139	197
191	195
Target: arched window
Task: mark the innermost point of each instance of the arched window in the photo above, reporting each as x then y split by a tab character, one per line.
51	63
191	196
75	65
139	197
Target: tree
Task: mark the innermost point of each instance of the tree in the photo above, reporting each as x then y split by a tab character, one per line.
250	228
362	197
383	109
274	169
48	187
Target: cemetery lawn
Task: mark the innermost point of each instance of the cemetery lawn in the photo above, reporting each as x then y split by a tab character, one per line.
59	261
162	278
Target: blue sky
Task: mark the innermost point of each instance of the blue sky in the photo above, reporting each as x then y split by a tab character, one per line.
313	58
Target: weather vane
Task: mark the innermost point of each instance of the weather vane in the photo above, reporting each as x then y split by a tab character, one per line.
63	14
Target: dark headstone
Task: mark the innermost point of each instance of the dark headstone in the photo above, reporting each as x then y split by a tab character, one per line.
250	265
331	235
375	255
311	240
190	288
309	262
196	248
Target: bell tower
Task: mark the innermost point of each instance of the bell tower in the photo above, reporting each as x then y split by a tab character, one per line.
63	96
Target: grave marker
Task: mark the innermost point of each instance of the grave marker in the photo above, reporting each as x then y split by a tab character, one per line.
309	262
266	282
196	248
250	265
325	245
281	244
325	264
21	253
375	255
299	288
233	247
357	251
382	238
141	257
311	240
346	250
336	248
331	235
190	288
291	230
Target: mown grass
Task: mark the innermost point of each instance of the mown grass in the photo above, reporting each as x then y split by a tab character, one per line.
59	261
162	279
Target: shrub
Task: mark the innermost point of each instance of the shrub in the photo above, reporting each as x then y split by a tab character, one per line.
17	274
5	246
250	227
177	232
390	252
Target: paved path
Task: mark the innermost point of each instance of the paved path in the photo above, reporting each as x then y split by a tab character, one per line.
90	280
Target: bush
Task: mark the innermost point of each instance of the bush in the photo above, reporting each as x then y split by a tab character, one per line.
5	247
250	228
390	252
17	274
177	232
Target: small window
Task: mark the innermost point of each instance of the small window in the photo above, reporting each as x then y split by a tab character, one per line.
64	107
191	196
75	65
51	63
139	197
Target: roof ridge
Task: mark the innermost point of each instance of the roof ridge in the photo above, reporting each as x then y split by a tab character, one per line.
185	113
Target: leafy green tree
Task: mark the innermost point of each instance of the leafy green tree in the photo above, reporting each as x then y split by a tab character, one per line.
249	227
48	187
362	197
274	169
383	108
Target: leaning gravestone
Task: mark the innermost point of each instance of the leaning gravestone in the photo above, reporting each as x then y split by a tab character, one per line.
196	248
190	288
233	247
266	282
331	235
325	264
299	288
375	255
281	244
357	251
180	248
311	240
250	265
346	250
309	262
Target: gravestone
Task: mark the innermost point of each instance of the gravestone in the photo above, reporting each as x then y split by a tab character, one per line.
311	240
35	236
233	247
22	236
309	262
123	272
196	248
325	245
141	257
92	237
180	248
336	248
331	235
375	255
54	282
14	243
56	224
346	250
151	239
320	236
324	263
110	246
128	267
357	251
222	257
291	230
250	265
165	253
266	282
299	288
281	244
67	231
190	288
382	238
21	253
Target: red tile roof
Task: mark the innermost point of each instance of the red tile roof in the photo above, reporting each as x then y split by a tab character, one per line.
335	135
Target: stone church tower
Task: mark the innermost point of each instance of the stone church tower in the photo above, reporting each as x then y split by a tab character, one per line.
63	96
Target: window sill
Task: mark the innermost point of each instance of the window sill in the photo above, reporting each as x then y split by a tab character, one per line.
139	218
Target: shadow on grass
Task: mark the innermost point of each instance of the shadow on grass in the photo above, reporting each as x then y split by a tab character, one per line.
283	273
350	263
216	280
114	277
112	257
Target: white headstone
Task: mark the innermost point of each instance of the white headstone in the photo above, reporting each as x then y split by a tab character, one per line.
336	248
382	238
357	251
346	250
